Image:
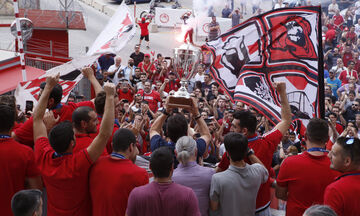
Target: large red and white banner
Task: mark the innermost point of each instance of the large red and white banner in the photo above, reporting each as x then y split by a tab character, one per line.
70	76
280	45
117	33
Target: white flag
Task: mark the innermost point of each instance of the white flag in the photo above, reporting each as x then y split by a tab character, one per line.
117	33
70	76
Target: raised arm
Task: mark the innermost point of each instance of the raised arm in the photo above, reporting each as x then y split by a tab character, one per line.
156	127
107	124
203	128
38	115
89	74
284	125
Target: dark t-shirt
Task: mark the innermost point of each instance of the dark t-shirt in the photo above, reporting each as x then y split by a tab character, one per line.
105	62
235	19
135	80
156	142
137	58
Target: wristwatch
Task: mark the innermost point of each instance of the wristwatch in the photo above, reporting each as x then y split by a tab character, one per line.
250	152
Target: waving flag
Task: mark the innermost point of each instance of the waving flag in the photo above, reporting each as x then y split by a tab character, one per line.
280	45
70	76
117	33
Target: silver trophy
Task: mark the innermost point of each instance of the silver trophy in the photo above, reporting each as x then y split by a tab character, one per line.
186	59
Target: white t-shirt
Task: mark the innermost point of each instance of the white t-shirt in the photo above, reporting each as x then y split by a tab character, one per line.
199	77
277	5
332	8
113	68
357	7
357	30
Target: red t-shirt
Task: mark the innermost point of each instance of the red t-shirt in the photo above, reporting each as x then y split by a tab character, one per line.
226	128
146	68
83	141
144	28
129	95
153	98
357	65
25	132
344	76
352	36
111	181
66	180
339	128
16	164
346	58
264	148
172	85
306	177
338	20
342	195
108	145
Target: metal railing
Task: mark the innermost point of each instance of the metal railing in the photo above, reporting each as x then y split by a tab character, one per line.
43	64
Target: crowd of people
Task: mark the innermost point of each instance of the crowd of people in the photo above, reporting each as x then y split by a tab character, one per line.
128	151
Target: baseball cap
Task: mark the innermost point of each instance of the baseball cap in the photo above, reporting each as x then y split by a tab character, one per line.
147	55
171	73
143	19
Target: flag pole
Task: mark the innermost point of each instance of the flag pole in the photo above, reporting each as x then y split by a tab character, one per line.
321	70
20	40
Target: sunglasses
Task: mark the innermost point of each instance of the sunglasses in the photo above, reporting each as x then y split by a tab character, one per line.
355	104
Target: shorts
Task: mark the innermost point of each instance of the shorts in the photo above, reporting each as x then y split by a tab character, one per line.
144	36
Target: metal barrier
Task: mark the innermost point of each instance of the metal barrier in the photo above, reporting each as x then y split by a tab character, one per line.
43	64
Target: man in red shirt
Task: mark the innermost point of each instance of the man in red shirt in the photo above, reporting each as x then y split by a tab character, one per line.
147	67
151	96
112	178
99	103
144	31
172	83
85	122
24	134
352	35
347	55
347	74
264	147
66	174
126	91
342	194
338	20
302	179
17	163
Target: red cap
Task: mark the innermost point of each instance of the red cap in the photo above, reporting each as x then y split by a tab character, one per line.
147	55
143	19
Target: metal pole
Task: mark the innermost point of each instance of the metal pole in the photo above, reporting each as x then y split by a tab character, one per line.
20	40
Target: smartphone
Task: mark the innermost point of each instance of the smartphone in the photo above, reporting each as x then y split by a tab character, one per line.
208	121
29	107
